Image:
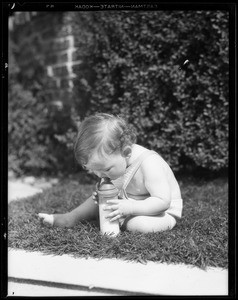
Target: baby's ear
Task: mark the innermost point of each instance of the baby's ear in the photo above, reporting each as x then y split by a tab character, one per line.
126	151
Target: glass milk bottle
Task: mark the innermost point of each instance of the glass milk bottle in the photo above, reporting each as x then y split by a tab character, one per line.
107	191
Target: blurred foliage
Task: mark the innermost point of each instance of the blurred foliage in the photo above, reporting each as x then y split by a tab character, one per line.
34	124
182	114
131	67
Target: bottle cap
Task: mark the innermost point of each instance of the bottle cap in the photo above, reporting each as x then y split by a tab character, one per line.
107	188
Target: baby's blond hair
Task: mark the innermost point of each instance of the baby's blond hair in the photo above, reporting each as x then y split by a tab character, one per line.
103	133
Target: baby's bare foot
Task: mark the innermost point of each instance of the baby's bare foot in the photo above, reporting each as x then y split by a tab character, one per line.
57	220
46	219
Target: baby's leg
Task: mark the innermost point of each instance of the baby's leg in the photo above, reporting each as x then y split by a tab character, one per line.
146	224
86	211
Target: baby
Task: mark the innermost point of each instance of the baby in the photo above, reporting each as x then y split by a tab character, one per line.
150	197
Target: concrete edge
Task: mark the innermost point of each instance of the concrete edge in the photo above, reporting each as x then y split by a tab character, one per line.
60	289
117	275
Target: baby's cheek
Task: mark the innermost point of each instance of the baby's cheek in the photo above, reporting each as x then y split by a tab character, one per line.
112	174
121	170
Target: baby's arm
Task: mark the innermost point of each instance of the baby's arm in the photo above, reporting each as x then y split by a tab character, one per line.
156	183
86	211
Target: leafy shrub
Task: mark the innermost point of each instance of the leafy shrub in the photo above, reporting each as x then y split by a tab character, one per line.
131	67
35	144
33	125
183	114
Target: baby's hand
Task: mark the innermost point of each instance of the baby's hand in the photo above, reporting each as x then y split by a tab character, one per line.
119	208
46	219
95	194
95	197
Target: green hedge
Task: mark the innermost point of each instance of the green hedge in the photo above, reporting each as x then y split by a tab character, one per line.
131	67
35	127
183	114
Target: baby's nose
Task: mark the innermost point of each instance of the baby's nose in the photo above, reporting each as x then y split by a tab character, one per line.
99	174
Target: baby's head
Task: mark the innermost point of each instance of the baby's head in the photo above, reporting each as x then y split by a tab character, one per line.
103	134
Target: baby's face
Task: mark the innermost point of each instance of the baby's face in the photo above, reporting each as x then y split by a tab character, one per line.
112	166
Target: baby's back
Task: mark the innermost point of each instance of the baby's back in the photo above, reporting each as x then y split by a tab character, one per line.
137	187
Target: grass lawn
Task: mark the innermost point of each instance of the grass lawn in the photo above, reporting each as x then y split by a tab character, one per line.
200	238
